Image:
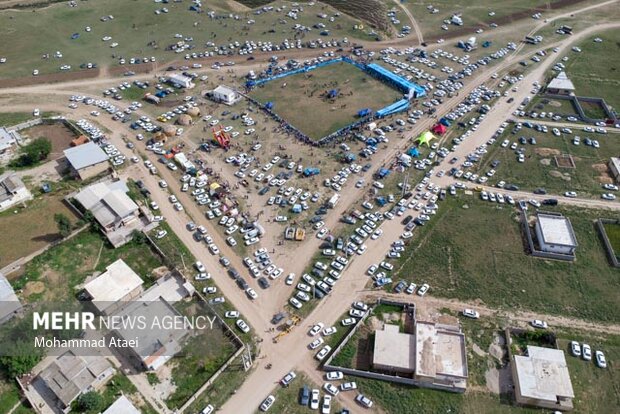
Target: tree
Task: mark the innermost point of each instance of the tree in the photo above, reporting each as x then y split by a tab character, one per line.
32	153
91	401
63	223
138	237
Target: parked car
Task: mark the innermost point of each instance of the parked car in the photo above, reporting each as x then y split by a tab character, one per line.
267	403
586	352
537	323
364	401
575	348
470	313
601	362
334	375
288	378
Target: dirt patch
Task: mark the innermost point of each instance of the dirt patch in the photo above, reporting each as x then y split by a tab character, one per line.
57	133
555	104
51	78
600	168
33	288
565	161
546	161
478	351
546	152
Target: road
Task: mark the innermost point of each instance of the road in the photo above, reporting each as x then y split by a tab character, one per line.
414	24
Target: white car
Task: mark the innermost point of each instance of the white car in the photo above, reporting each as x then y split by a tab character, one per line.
315	399
290	279
327	404
586	352
331	388
267	403
348	321
570	194
423	289
601	362
231	314
316	343
251	293
575	348
316	329
295	303
364	401
334	375
608	196
537	323
470	313
323	352
200	267
329	331
243	326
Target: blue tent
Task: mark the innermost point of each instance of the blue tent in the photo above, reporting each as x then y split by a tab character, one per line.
332	94
363	112
413	152
269	105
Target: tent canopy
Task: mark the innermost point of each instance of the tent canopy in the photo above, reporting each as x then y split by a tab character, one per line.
425	138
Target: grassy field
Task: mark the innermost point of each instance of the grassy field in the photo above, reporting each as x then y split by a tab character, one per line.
54	274
139	32
540	169
558	106
594	71
25	230
613	234
9	394
303	105
477	253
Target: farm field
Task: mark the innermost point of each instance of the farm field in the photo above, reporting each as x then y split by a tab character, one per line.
477	253
540	168
138	31
302	103
32	228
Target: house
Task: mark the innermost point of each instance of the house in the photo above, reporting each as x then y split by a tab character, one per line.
8	141
66	378
9	303
555	233
225	95
180	81
541	379
614	168
12	191
114	287
122	406
434	356
561	85
117	214
87	160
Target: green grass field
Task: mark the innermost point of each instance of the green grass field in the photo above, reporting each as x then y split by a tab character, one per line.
558	106
301	102
477	254
613	234
540	168
27	35
594	71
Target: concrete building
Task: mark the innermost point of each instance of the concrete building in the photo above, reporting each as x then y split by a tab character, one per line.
87	160
9	303
12	191
225	95
69	376
555	234
614	168
542	379
180	81
434	356
441	357
394	351
8	141
122	406
155	346
561	85
113	288
116	213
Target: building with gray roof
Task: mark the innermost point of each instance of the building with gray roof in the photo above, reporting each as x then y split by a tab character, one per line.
87	160
561	84
12	191
9	302
555	233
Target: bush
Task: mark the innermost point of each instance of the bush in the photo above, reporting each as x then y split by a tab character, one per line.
91	401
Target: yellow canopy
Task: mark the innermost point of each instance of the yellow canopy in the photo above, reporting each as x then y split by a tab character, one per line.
425	138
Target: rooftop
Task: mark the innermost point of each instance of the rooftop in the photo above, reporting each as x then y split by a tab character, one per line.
7	138
440	350
561	82
108	201
85	155
224	90
9	303
394	349
556	229
112	285
543	374
69	375
9	184
122	406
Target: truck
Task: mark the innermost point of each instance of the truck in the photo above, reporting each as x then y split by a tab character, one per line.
331	203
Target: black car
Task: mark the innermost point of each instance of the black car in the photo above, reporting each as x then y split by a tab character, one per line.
511	187
263	283
540	191
242	283
304	395
495	163
233	273
278	317
407	219
263	191
550	202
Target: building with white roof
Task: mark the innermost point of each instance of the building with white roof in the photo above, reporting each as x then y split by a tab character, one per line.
87	160
9	303
225	95
181	81
118	284
555	234
542	379
8	141
116	213
561	85
12	191
122	406
614	168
